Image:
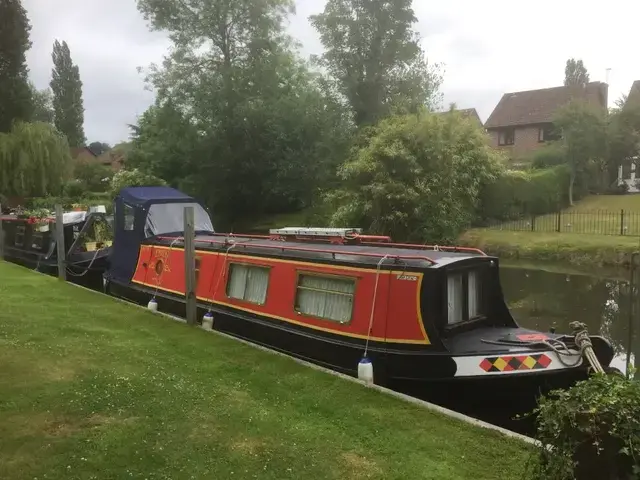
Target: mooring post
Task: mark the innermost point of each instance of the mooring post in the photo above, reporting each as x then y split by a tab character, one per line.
61	253
633	308
189	265
1	236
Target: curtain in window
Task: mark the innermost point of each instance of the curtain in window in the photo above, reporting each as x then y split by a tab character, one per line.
248	283
256	286
330	298
474	294
454	298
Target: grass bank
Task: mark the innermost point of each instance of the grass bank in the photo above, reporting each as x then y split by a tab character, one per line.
93	388
590	234
570	248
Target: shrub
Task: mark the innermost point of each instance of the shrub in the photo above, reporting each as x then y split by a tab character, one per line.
133	178
548	156
533	192
415	177
592	429
74	189
95	176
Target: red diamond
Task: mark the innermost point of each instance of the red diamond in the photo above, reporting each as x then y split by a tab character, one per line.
486	365
544	361
522	358
507	368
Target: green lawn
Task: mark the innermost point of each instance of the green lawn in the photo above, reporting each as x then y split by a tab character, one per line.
595	215
576	249
93	388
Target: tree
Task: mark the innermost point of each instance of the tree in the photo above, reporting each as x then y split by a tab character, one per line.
14	43
67	95
42	105
583	139
95	176
623	135
416	177
34	160
99	147
240	121
575	73
374	56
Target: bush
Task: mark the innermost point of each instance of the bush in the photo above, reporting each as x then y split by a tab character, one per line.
592	429
415	177
533	192
74	189
95	176
548	156
133	178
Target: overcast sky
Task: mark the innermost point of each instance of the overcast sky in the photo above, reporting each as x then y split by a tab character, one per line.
485	48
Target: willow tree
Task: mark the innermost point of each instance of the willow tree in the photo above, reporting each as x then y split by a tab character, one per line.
34	160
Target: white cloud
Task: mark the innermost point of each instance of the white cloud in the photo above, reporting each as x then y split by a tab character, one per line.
486	48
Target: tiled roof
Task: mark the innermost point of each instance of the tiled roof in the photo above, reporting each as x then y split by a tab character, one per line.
539	106
466	112
634	93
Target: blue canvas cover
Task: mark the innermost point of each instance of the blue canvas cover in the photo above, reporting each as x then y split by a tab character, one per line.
131	208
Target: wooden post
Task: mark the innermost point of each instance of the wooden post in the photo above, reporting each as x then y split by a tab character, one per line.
61	253
559	221
1	236
622	221
189	265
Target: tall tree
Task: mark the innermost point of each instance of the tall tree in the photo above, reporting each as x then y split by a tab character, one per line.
374	55
99	147
583	138
575	73
240	121
42	105
15	102
67	95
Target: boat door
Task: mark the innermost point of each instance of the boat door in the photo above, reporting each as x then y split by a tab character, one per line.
128	225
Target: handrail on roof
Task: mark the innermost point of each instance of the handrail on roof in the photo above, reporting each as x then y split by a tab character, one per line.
419	246
333	253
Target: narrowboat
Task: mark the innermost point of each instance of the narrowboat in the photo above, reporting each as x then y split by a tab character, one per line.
432	321
31	241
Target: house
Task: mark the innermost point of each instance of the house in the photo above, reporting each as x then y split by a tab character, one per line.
83	154
470	113
627	171
521	123
113	158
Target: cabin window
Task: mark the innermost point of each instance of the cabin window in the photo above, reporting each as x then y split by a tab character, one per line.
19	238
36	241
248	283
329	298
129	217
464	296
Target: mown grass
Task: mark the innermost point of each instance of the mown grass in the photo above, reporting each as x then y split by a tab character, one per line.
571	248
93	388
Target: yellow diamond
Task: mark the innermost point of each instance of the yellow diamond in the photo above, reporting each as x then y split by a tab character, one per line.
500	364
529	362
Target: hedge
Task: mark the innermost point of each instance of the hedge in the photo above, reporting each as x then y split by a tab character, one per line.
518	193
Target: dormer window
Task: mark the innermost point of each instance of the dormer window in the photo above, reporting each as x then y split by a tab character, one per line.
506	136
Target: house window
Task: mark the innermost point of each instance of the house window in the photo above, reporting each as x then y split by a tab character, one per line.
547	134
507	136
464	297
248	283
329	298
128	217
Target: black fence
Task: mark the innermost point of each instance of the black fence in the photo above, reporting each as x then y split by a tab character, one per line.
595	222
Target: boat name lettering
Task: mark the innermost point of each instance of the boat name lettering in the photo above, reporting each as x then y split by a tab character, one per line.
411	278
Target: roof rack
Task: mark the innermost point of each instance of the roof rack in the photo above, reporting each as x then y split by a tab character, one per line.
337	236
333	253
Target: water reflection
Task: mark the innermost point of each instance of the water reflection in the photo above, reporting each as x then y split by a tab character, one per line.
541	300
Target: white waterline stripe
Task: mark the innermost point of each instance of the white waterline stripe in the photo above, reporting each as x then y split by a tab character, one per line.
393	393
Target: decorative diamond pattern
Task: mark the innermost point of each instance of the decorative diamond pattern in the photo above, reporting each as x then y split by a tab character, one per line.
509	364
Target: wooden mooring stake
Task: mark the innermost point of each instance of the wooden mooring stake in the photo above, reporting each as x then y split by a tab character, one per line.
190	265
61	253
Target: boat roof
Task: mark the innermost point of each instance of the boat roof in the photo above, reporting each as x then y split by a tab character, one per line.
144	196
368	255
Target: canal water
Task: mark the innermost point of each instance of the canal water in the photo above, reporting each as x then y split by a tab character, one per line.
541	299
